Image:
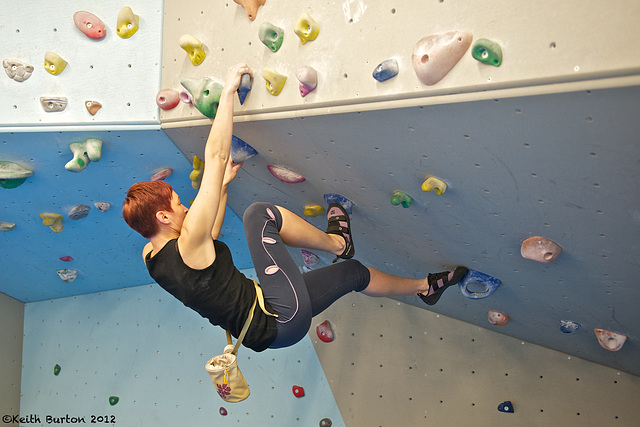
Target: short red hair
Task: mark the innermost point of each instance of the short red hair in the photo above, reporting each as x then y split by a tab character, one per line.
143	200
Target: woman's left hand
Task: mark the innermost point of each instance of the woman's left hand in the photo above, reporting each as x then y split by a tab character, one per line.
231	171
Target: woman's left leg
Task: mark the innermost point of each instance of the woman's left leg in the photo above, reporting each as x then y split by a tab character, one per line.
279	276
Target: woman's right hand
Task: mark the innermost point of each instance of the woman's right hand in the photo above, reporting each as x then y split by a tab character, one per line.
234	75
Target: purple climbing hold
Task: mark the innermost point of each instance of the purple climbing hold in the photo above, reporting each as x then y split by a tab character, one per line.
66	258
285	175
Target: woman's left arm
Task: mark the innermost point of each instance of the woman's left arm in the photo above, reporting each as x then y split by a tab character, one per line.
229	175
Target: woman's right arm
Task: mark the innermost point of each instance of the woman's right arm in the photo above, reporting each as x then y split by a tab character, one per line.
195	242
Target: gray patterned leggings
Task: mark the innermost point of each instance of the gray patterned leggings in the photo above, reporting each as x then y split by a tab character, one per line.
295	297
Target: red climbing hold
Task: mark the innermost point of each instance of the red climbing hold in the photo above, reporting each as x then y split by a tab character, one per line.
298	391
66	258
324	331
223	411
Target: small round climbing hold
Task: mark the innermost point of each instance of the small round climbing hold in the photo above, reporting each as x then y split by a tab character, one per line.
325	422
56	370
298	391
223	411
113	400
498	319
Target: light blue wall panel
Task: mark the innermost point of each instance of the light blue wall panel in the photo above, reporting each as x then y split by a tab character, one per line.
122	74
142	345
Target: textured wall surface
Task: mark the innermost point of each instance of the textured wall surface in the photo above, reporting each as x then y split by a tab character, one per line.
12	321
144	347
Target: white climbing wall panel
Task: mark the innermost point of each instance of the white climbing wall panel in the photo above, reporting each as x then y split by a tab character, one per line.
12	321
144	347
548	46
121	74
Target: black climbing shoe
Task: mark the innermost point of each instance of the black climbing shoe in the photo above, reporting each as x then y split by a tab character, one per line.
439	282
339	224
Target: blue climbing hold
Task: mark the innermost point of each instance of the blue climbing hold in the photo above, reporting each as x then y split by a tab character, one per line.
569	326
341	200
241	151
386	70
473	276
244	88
506	407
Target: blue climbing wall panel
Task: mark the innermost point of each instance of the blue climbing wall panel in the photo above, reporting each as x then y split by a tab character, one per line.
146	348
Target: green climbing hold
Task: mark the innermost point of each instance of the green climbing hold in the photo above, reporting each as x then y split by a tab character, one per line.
113	400
401	198
56	370
487	52
206	94
12	174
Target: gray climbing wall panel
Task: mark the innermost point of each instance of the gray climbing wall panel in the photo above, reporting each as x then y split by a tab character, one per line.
12	321
393	365
564	166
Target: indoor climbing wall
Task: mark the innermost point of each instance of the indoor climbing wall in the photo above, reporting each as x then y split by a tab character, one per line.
76	72
526	149
135	357
545	46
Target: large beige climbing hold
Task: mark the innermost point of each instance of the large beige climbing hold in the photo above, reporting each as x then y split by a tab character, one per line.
250	7
127	23
194	48
540	249
611	341
434	56
17	70
52	104
84	152
7	226
52	220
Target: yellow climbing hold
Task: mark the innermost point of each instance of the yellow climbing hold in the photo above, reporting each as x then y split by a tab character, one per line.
196	175
52	220
434	184
53	63
194	48
306	28
128	23
313	210
274	81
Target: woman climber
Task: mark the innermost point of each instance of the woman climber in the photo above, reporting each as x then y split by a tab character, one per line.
185	258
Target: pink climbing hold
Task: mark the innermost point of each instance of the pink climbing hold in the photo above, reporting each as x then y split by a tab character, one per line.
285	175
161	175
540	249
66	258
498	319
223	411
310	259
324	331
434	56
298	391
167	99
89	24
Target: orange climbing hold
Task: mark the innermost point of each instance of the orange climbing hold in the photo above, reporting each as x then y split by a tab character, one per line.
611	341
498	319
540	249
250	7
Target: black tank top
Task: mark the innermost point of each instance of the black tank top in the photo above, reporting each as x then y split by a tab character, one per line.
220	292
